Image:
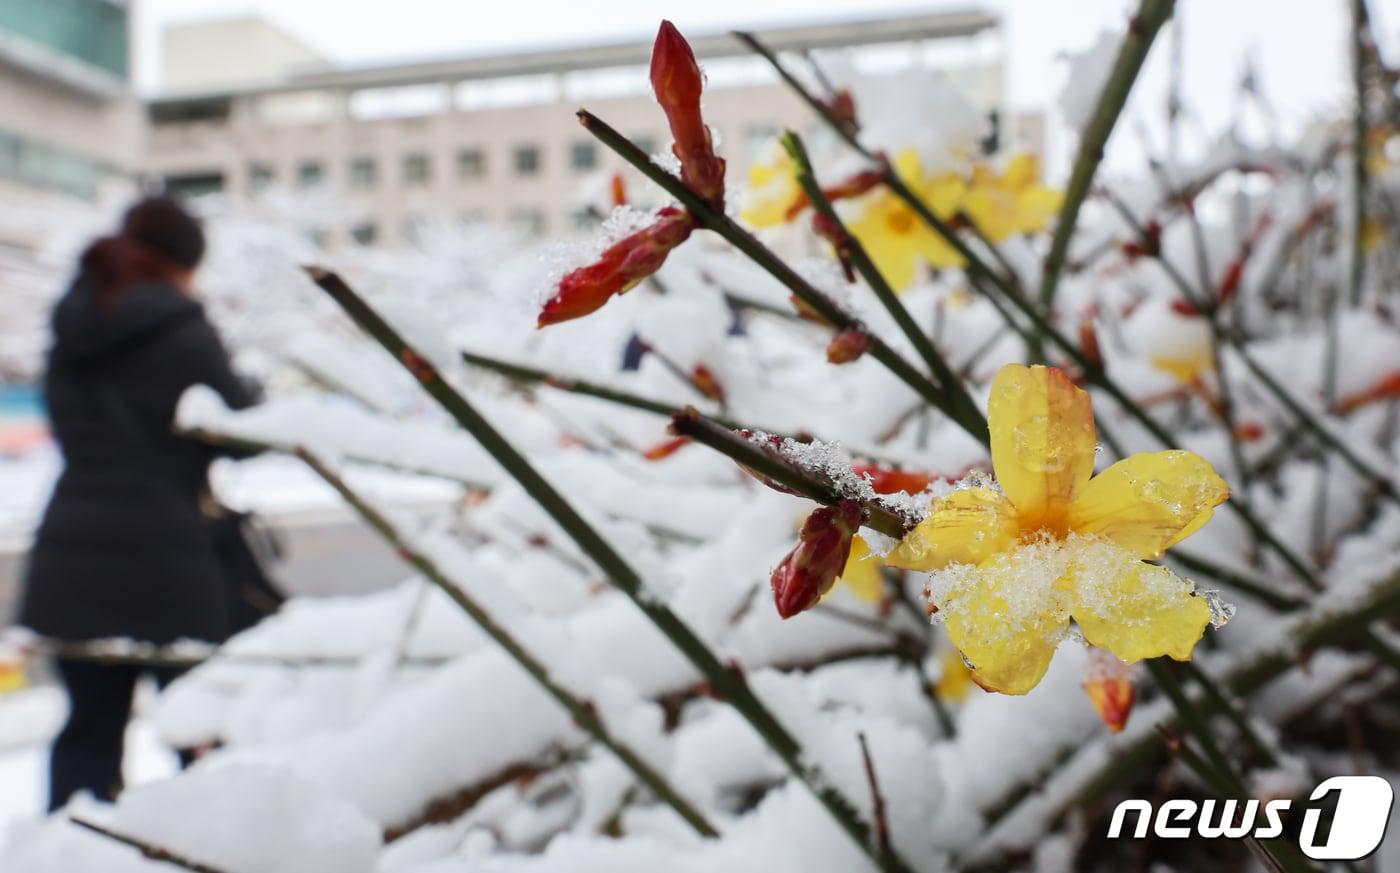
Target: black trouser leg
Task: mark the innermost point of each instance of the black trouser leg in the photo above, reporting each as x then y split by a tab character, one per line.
87	754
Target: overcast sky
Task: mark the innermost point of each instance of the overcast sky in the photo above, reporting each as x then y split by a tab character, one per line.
1299	46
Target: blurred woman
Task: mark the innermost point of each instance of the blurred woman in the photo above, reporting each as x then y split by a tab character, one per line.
126	547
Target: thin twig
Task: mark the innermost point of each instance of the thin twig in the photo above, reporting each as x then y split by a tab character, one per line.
877	800
147	850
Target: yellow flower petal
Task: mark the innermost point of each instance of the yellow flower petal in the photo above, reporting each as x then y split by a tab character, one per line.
862	573
1150	501
1035	207
1010	652
965	527
1147	612
993	210
944	194
1022	171
954	679
1043	440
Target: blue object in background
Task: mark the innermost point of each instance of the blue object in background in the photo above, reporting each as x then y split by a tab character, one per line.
21	401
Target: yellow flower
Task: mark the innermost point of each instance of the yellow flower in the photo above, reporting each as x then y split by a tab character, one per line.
897	240
1015	565
772	192
1013	203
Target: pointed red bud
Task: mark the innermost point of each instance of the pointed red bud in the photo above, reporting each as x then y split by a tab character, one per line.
707	383
847	346
618	189
1110	689
811	568
664	450
677	83
619	268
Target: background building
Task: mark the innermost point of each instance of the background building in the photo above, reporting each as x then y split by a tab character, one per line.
68	119
490	137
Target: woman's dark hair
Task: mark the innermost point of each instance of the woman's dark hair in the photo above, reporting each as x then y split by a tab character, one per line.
158	241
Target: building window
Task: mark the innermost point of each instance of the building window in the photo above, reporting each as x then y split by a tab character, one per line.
317	236
364	234
417	169
471	164
310	174
194	184
583	155
364	174
260	178
527	160
528	221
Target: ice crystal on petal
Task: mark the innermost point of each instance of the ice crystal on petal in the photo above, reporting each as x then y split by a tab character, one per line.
1221	610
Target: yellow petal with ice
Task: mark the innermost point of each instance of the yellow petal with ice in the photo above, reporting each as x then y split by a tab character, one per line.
1043	440
1147	612
1150	501
1009	648
963	527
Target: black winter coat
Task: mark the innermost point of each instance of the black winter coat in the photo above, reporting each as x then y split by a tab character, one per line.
124	549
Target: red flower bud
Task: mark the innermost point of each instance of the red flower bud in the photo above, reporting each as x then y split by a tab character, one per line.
811	568
1089	341
805	311
847	346
887	480
618	189
661	451
1110	689
677	82
1249	431
842	107
704	380
619	268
